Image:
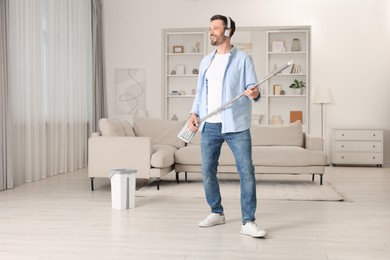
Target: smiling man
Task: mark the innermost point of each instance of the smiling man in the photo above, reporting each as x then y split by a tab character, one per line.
224	74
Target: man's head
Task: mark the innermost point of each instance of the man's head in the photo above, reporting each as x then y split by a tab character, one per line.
221	27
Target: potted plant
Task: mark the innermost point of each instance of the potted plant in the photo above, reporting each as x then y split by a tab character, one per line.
298	86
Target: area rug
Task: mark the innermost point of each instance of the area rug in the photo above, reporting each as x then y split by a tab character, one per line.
266	190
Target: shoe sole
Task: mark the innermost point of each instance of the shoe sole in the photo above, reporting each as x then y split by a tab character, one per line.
255	236
221	223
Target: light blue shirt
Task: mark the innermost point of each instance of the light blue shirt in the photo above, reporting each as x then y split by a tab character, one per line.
239	75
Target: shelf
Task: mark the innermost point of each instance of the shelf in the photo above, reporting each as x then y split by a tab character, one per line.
186	54
287	96
182	75
290	74
287	52
180	96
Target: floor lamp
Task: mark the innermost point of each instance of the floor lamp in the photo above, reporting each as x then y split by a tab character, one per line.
322	96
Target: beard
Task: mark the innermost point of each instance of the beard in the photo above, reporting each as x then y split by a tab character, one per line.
213	40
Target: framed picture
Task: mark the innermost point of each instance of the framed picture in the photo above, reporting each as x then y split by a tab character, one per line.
277	90
178	49
278	46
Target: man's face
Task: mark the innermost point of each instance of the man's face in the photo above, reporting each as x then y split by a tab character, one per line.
217	30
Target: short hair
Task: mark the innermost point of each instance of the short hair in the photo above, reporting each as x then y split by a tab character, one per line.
224	19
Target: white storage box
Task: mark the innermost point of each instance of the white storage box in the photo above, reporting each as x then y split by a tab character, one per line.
123	188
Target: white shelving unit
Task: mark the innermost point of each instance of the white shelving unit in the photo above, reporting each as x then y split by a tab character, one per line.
257	42
183	51
279	51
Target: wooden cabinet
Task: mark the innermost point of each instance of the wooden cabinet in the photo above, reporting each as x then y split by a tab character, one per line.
360	146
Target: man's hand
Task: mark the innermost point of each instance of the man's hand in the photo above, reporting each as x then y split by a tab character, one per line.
193	122
252	92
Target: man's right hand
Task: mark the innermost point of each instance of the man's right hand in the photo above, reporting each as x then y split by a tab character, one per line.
193	122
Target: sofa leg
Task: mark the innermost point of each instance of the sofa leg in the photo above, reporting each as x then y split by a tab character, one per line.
185	174
92	188
312	177
158	183
177	177
321	179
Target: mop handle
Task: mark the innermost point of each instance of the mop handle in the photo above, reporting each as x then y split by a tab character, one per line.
219	109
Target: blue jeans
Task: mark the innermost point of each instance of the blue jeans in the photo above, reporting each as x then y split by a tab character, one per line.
240	144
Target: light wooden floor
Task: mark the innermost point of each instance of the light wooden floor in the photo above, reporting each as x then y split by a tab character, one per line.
60	218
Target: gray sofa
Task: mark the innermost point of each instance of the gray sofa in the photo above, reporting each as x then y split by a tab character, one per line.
152	148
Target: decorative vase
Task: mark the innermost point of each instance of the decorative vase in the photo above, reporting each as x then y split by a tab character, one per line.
296	45
298	91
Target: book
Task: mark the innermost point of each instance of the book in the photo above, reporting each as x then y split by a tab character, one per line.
295	116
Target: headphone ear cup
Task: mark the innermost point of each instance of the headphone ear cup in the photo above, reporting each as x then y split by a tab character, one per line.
227	33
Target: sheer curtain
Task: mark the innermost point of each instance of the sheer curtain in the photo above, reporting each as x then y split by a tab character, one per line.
50	79
99	102
6	178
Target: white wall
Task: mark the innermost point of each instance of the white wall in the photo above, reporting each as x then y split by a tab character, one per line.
349	46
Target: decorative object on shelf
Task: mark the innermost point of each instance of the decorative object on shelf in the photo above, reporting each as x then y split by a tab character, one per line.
295	116
193	91
173	72
196	49
261	119
174	118
295	69
244	46
182	92
322	96
277	120
195	71
174	92
296	45
178	49
277	89
298	86
256	119
278	46
180	69
282	92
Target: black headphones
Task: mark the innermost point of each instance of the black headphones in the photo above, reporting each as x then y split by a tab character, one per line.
227	30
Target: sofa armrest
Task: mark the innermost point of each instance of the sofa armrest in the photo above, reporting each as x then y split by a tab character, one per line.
314	143
115	152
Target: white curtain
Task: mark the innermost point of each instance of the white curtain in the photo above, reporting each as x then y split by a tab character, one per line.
50	79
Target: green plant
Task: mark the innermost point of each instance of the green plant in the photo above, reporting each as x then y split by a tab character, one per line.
297	84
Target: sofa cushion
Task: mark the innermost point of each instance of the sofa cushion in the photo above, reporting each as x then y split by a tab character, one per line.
110	127
115	127
261	155
286	156
161	131
286	135
163	156
127	128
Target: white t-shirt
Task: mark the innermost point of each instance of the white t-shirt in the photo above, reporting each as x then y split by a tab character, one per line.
214	76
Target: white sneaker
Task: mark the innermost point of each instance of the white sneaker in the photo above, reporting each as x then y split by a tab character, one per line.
251	229
212	219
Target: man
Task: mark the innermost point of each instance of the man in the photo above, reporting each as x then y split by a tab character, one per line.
224	74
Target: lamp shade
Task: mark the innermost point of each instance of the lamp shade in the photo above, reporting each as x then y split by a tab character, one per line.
322	96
